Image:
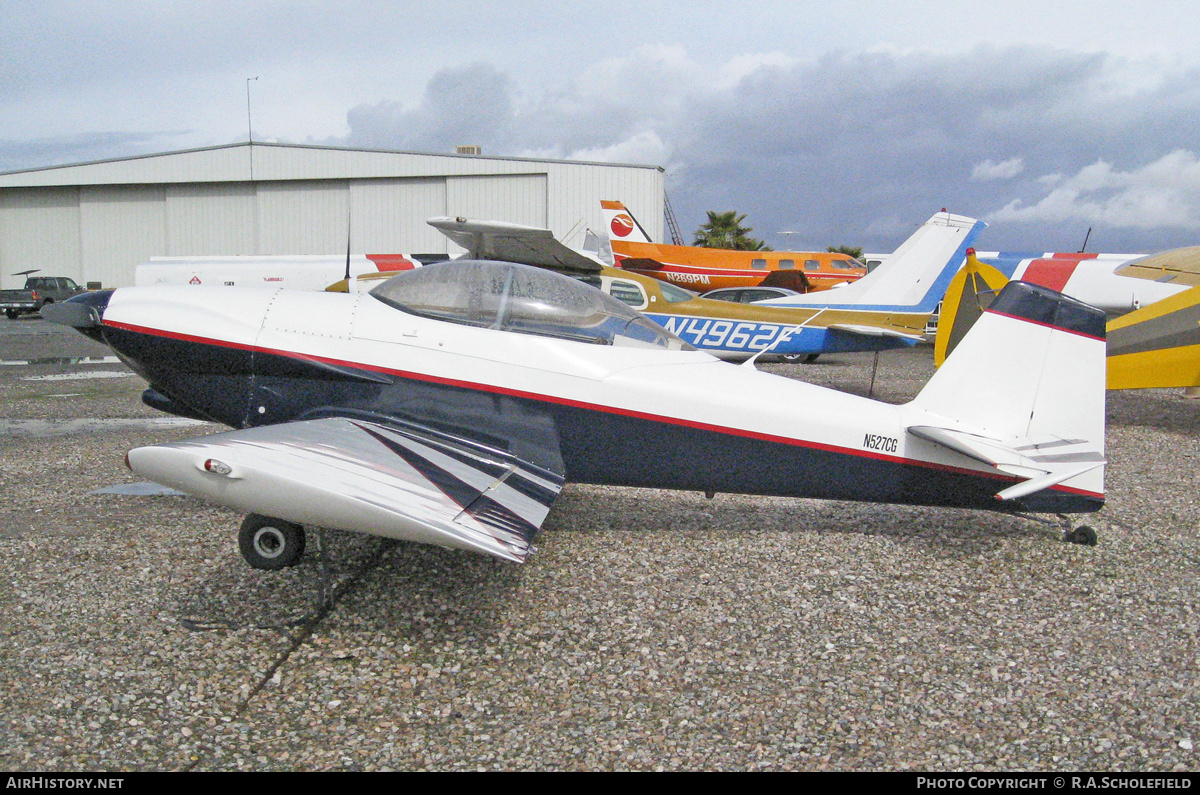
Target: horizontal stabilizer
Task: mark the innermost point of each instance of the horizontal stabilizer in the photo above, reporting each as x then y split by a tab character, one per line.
526	245
1043	463
351	474
875	331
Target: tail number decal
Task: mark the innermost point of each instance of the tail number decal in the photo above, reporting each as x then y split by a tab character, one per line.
687	278
884	444
727	334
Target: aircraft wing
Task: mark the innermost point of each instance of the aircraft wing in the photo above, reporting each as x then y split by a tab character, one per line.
1043	463
345	473
1179	266
527	245
1156	346
875	331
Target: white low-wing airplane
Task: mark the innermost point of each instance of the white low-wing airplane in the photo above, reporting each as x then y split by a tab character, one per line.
450	404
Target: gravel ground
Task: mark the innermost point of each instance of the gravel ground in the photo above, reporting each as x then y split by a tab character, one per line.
652	630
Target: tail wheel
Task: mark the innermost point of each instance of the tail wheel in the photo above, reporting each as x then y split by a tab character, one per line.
270	544
1082	535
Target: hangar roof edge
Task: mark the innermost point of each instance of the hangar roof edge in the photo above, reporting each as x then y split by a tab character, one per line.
305	147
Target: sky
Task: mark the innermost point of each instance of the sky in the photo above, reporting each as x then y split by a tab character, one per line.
825	123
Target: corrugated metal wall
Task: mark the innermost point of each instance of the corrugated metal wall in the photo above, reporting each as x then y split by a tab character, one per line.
39	228
95	231
389	215
211	219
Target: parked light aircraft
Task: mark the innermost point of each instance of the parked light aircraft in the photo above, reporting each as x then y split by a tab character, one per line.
1157	346
909	284
704	269
451	403
733	330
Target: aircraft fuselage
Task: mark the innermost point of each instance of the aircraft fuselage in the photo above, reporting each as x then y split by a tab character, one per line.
601	414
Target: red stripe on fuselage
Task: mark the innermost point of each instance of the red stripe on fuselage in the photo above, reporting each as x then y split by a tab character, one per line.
563	401
1054	272
391	262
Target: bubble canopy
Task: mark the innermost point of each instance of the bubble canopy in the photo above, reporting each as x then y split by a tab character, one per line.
508	297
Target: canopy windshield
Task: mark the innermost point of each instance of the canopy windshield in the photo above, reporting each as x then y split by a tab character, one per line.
509	297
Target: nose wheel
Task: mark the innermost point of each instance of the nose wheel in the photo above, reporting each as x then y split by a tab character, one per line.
270	544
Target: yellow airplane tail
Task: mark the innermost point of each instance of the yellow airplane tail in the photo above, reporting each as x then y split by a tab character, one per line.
971	291
1157	346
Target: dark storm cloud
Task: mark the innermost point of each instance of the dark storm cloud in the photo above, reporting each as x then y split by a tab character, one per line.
858	149
862	147
466	105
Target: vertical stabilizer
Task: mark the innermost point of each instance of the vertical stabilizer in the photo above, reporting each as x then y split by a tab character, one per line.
971	291
1024	392
621	225
913	279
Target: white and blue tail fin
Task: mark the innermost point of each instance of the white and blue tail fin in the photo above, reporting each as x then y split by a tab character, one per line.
1024	393
621	224
913	279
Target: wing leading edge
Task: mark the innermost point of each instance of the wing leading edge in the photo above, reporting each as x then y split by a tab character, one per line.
351	474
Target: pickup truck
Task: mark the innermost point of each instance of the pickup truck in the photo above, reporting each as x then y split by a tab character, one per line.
38	290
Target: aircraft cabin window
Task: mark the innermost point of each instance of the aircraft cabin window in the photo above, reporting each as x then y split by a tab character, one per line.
675	295
758	263
523	299
812	265
628	293
786	264
845	264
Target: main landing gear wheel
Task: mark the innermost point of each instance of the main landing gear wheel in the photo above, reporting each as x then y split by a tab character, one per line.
799	357
1081	535
12	314
270	544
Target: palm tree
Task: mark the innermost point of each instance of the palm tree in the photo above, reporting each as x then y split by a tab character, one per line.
725	230
850	251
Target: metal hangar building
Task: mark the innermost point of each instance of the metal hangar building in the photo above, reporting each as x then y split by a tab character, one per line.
95	222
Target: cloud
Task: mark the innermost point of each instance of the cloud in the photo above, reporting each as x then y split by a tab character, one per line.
17	155
989	170
464	105
1164	194
642	148
853	148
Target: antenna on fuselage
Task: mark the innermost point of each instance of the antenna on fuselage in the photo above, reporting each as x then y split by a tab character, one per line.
1083	248
347	247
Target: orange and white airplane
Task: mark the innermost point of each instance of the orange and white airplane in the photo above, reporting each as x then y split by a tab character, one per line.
704	269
